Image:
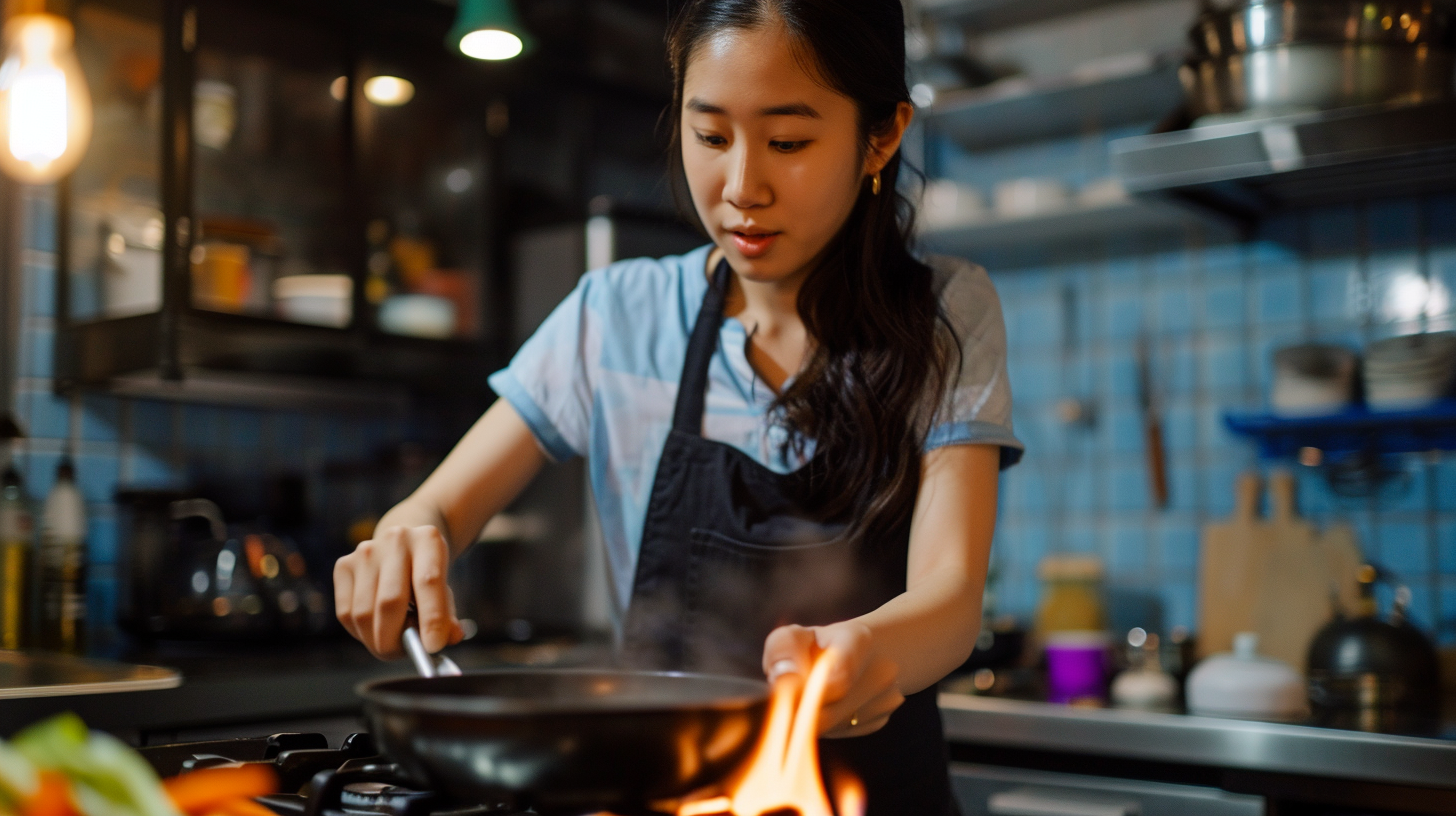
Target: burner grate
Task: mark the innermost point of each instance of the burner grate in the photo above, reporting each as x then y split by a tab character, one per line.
316	780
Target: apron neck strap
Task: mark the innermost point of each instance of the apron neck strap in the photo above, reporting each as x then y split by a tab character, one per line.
687	415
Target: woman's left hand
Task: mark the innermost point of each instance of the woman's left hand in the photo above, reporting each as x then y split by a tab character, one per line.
861	692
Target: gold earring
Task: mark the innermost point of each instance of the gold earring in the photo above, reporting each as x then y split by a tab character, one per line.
875	184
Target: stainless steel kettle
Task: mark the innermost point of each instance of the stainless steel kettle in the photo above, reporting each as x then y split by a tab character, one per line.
1374	674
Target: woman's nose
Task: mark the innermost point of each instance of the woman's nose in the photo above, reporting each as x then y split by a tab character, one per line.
746	186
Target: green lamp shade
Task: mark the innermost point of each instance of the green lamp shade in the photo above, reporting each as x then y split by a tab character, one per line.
488	30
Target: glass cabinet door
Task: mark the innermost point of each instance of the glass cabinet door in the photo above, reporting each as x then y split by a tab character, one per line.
421	124
270	186
116	225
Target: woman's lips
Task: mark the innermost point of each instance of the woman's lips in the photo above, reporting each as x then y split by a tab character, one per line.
753	245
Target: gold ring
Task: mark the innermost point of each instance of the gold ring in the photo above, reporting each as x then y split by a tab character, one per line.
854	719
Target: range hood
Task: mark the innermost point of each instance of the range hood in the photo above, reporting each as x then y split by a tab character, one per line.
1248	169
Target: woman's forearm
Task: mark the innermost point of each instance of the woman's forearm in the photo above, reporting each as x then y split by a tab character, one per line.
928	631
488	468
931	629
403	569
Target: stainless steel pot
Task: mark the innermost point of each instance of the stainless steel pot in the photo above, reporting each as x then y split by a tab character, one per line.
1284	56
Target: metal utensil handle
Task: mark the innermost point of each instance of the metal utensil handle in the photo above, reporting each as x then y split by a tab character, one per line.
428	665
446	667
424	664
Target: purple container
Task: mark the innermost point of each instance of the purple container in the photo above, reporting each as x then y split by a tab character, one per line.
1076	666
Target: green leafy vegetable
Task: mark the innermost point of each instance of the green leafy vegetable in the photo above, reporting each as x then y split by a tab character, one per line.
108	778
18	777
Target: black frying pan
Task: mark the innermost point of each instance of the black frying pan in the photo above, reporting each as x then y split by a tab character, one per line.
567	740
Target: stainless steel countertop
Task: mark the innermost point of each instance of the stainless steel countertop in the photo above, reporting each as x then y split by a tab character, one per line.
27	675
266	683
1208	741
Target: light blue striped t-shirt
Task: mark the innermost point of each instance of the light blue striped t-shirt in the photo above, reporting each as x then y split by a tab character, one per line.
599	379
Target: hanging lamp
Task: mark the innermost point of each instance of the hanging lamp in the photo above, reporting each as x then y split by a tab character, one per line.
45	108
488	30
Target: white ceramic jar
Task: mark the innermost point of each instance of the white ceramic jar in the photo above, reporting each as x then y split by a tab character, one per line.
1242	684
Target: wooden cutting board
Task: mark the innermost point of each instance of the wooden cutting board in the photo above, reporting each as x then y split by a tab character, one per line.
1279	577
1231	556
1297	580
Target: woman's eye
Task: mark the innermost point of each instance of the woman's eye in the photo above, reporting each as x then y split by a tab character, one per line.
788	147
710	140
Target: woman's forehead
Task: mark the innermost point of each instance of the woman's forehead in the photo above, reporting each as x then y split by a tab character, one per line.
757	71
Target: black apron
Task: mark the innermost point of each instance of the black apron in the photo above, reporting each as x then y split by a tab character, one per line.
732	549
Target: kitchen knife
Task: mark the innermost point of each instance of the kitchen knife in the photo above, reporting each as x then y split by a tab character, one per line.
1152	427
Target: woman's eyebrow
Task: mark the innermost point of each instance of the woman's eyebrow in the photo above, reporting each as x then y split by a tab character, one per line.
796	109
697	105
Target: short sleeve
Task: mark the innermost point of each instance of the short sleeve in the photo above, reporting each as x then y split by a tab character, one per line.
549	381
976	406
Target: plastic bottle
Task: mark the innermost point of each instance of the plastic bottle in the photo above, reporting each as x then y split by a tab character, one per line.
63	565
1144	684
17	531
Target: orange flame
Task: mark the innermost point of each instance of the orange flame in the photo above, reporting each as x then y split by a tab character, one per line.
849	795
783	774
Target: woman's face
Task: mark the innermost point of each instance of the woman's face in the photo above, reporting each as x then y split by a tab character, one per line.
773	156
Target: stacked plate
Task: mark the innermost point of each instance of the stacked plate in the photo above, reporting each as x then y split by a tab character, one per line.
1410	371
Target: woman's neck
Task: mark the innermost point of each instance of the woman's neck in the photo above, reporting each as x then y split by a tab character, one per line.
769	312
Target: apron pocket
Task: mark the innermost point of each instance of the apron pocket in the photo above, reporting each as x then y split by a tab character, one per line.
739	591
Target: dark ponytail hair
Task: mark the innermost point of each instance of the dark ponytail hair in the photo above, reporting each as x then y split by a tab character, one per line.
879	362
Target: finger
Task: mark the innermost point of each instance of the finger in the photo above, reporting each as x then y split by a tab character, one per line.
869	717
881	705
875	694
344	593
851	646
391	601
788	650
864	727
430	562
457	634
366	581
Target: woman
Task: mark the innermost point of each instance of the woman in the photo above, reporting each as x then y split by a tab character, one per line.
819	471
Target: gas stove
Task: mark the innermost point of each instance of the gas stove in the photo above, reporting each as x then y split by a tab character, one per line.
315	779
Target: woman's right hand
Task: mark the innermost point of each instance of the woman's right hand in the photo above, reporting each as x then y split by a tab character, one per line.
374	585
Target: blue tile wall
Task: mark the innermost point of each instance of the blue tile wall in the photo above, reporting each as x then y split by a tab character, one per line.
1213	314
136	443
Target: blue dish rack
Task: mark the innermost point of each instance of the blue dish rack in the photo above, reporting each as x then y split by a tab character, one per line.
1357	429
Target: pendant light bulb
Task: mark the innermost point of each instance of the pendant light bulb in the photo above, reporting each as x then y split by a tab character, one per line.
491	44
388	91
488	30
45	109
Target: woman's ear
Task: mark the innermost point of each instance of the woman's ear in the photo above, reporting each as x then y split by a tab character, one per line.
884	144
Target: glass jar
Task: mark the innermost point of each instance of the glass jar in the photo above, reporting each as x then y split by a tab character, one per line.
1071	594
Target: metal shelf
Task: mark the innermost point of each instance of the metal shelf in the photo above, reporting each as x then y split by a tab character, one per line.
183	353
1021	109
989	15
1078	224
1249	169
1357	429
271	391
223	356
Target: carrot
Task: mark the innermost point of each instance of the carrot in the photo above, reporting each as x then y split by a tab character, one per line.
51	798
240	807
200	792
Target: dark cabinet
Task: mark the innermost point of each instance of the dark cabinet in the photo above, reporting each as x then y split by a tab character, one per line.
284	199
115	229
